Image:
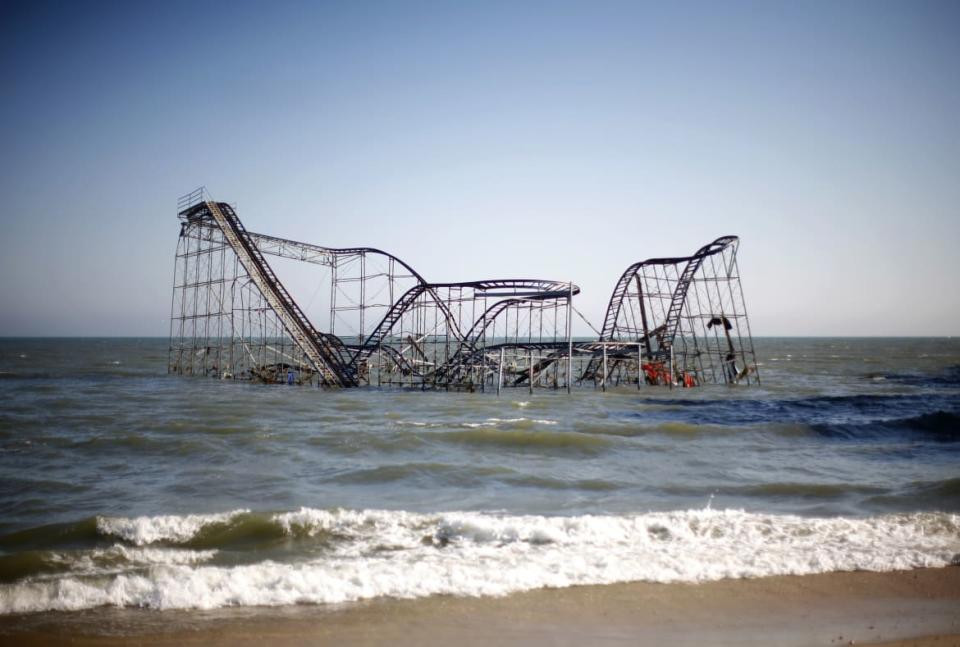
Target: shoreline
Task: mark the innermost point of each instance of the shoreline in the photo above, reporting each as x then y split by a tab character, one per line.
919	607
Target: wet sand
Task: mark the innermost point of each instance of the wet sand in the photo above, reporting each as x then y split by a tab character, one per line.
918	608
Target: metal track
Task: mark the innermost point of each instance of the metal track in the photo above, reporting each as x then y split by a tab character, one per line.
683	284
232	318
329	356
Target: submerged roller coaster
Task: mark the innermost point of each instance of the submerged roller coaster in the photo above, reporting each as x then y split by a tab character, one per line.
677	321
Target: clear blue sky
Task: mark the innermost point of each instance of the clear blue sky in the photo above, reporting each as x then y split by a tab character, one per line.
478	140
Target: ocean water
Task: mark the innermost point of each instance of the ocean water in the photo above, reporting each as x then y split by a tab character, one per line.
120	485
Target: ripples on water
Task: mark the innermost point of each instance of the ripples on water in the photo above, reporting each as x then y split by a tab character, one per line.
97	445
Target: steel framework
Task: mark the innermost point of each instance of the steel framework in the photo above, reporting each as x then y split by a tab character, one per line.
689	315
675	321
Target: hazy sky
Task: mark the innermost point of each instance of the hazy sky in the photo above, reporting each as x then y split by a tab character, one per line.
482	140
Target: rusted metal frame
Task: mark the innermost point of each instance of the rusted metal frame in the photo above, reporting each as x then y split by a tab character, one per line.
746	318
545	289
726	266
728	358
733	275
196	304
328	347
516	289
200	213
467	354
171	363
233	295
697	355
206	306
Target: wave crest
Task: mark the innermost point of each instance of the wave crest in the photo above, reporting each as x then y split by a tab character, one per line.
373	553
171	528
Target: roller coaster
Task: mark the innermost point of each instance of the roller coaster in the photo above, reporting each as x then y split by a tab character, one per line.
674	322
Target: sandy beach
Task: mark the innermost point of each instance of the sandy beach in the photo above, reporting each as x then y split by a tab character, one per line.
920	607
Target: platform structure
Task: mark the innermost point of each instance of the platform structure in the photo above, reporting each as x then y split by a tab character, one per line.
375	321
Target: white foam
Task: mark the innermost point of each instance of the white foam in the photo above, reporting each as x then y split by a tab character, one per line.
538	421
489	422
153	556
174	528
404	554
119	558
139	556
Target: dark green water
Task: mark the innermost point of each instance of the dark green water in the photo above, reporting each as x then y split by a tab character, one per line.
122	485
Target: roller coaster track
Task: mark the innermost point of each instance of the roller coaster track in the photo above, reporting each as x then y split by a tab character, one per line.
344	361
683	284
452	367
679	296
431	335
534	289
522	290
295	249
330	358
397	310
666	332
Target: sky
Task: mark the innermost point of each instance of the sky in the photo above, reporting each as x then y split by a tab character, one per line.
481	140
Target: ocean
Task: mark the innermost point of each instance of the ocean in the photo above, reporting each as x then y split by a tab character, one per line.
123	486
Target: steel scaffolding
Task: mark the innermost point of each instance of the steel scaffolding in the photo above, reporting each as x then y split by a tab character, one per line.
673	321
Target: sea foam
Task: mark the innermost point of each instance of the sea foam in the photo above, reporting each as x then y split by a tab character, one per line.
405	555
174	528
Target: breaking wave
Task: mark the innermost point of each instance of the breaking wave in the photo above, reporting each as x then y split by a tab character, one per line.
331	556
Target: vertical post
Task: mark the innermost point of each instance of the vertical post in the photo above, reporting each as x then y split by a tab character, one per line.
333	294
500	372
639	366
530	371
483	363
233	298
379	363
603	379
196	295
569	339
363	303
671	366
